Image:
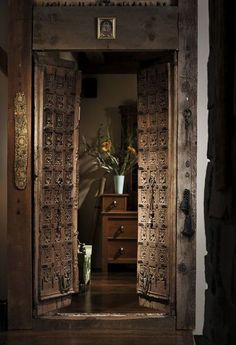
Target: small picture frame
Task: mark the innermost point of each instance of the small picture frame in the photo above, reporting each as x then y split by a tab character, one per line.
106	28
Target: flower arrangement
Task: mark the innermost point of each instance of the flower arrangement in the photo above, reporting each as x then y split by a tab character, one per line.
113	161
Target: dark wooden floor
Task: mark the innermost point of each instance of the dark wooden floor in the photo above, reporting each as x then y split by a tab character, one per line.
114	292
90	337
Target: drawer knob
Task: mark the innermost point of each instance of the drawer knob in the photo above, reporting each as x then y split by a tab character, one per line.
121	250
114	203
122	228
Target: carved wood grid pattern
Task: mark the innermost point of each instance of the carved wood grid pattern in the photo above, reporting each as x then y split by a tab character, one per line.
153	242
56	221
105	3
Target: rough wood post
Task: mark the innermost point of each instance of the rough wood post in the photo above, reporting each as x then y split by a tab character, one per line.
186	172
19	198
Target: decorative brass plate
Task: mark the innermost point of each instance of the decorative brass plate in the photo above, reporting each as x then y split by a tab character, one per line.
21	141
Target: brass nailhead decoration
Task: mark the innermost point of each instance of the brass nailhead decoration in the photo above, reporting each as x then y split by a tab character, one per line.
21	141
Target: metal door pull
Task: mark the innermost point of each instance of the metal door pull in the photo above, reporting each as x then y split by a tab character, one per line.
185	207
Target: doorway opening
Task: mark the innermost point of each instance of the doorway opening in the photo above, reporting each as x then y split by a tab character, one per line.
108	97
131	236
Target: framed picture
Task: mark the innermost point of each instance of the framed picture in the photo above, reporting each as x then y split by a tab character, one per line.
106	28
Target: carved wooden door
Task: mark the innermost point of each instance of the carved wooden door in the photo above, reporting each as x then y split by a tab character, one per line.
57	90
156	187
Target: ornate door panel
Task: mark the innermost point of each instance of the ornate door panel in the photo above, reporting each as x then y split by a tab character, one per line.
154	231
57	89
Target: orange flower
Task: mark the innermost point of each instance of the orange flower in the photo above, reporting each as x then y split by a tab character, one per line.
132	150
106	146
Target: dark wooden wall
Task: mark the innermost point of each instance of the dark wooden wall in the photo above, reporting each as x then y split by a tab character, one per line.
220	200
19	202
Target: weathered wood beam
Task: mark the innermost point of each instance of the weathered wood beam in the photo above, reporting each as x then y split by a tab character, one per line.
74	28
187	153
3	61
19	199
111	3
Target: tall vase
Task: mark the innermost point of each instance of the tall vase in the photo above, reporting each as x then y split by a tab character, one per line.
119	183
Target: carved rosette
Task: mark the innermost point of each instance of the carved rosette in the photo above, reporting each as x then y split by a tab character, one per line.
21	141
153	233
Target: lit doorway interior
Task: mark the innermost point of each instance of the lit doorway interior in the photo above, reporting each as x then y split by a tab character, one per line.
137	86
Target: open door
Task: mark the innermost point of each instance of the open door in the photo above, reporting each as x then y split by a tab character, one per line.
56	186
156	188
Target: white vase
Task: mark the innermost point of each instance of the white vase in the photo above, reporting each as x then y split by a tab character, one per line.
119	184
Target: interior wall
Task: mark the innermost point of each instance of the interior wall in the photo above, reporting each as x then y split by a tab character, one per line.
3	155
202	118
113	90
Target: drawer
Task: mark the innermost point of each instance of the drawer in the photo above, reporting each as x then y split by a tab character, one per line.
114	202
119	228
122	250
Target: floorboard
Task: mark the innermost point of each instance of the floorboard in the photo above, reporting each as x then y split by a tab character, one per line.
114	292
90	337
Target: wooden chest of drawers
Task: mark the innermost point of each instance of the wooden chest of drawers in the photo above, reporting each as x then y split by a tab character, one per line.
114	202
119	233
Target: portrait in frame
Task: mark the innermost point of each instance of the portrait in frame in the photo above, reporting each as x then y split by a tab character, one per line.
106	28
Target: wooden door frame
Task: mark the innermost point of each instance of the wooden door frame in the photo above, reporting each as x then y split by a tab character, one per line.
20	201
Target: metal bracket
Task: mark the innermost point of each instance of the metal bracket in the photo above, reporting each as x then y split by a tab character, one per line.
151	221
188	230
187	117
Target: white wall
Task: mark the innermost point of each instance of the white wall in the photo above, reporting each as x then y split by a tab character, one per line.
203	50
3	155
